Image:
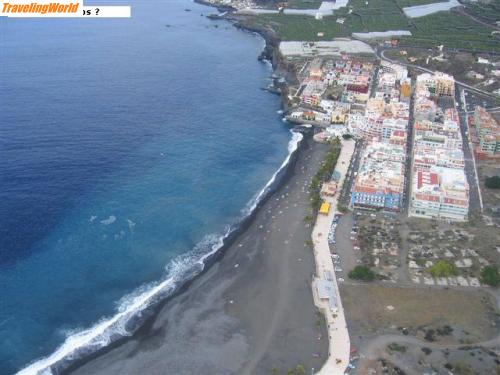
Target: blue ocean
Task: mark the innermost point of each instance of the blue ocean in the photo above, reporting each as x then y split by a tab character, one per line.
128	149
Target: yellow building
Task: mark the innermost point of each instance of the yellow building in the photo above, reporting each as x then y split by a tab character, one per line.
445	84
338	117
405	89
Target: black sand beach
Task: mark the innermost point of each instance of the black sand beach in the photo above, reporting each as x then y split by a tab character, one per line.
251	311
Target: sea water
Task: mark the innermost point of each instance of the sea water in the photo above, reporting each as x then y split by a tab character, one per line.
128	148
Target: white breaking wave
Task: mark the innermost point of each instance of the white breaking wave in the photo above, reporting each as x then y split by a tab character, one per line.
292	147
131	224
110	220
181	269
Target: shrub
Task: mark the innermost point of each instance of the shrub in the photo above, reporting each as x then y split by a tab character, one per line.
342	208
308	219
490	276
442	268
492	182
427	351
300	369
362	273
395	347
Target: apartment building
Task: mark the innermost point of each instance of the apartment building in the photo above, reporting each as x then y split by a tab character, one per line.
440	193
488	134
379	182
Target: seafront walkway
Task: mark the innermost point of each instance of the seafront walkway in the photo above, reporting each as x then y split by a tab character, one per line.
338	335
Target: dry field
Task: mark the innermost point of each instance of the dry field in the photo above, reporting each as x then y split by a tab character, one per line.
421	312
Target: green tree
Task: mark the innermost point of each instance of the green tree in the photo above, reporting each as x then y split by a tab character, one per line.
492	182
363	273
308	219
442	268
323	174
490	276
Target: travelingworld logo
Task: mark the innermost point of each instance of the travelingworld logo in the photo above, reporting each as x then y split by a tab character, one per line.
68	8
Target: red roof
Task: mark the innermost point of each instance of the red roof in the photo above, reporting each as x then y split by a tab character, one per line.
365	189
399	133
427	197
433	178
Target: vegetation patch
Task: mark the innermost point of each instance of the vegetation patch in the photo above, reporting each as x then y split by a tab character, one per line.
452	29
324	173
395	347
490	276
362	273
492	182
443	268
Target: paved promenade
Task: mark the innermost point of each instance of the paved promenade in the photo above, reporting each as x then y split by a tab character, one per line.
339	343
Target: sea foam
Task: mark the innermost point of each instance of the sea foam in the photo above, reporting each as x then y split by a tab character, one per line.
110	220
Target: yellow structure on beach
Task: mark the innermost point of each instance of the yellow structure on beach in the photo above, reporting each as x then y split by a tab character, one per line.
325	208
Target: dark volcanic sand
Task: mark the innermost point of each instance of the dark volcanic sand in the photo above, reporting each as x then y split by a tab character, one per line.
242	319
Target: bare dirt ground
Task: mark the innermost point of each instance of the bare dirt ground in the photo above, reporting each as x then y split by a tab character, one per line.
400	355
387	322
376	309
411	359
491	197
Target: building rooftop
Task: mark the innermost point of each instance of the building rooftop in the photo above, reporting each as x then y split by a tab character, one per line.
326	48
381	169
447	183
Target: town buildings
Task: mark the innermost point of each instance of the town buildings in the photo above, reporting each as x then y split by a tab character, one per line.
439	187
329	88
379	182
386	115
487	133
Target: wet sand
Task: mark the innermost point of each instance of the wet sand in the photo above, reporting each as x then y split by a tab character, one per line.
251	311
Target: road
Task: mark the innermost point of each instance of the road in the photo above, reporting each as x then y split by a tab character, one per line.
409	154
475	199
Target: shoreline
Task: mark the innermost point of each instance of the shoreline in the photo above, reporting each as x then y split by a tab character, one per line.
142	321
270	39
216	272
